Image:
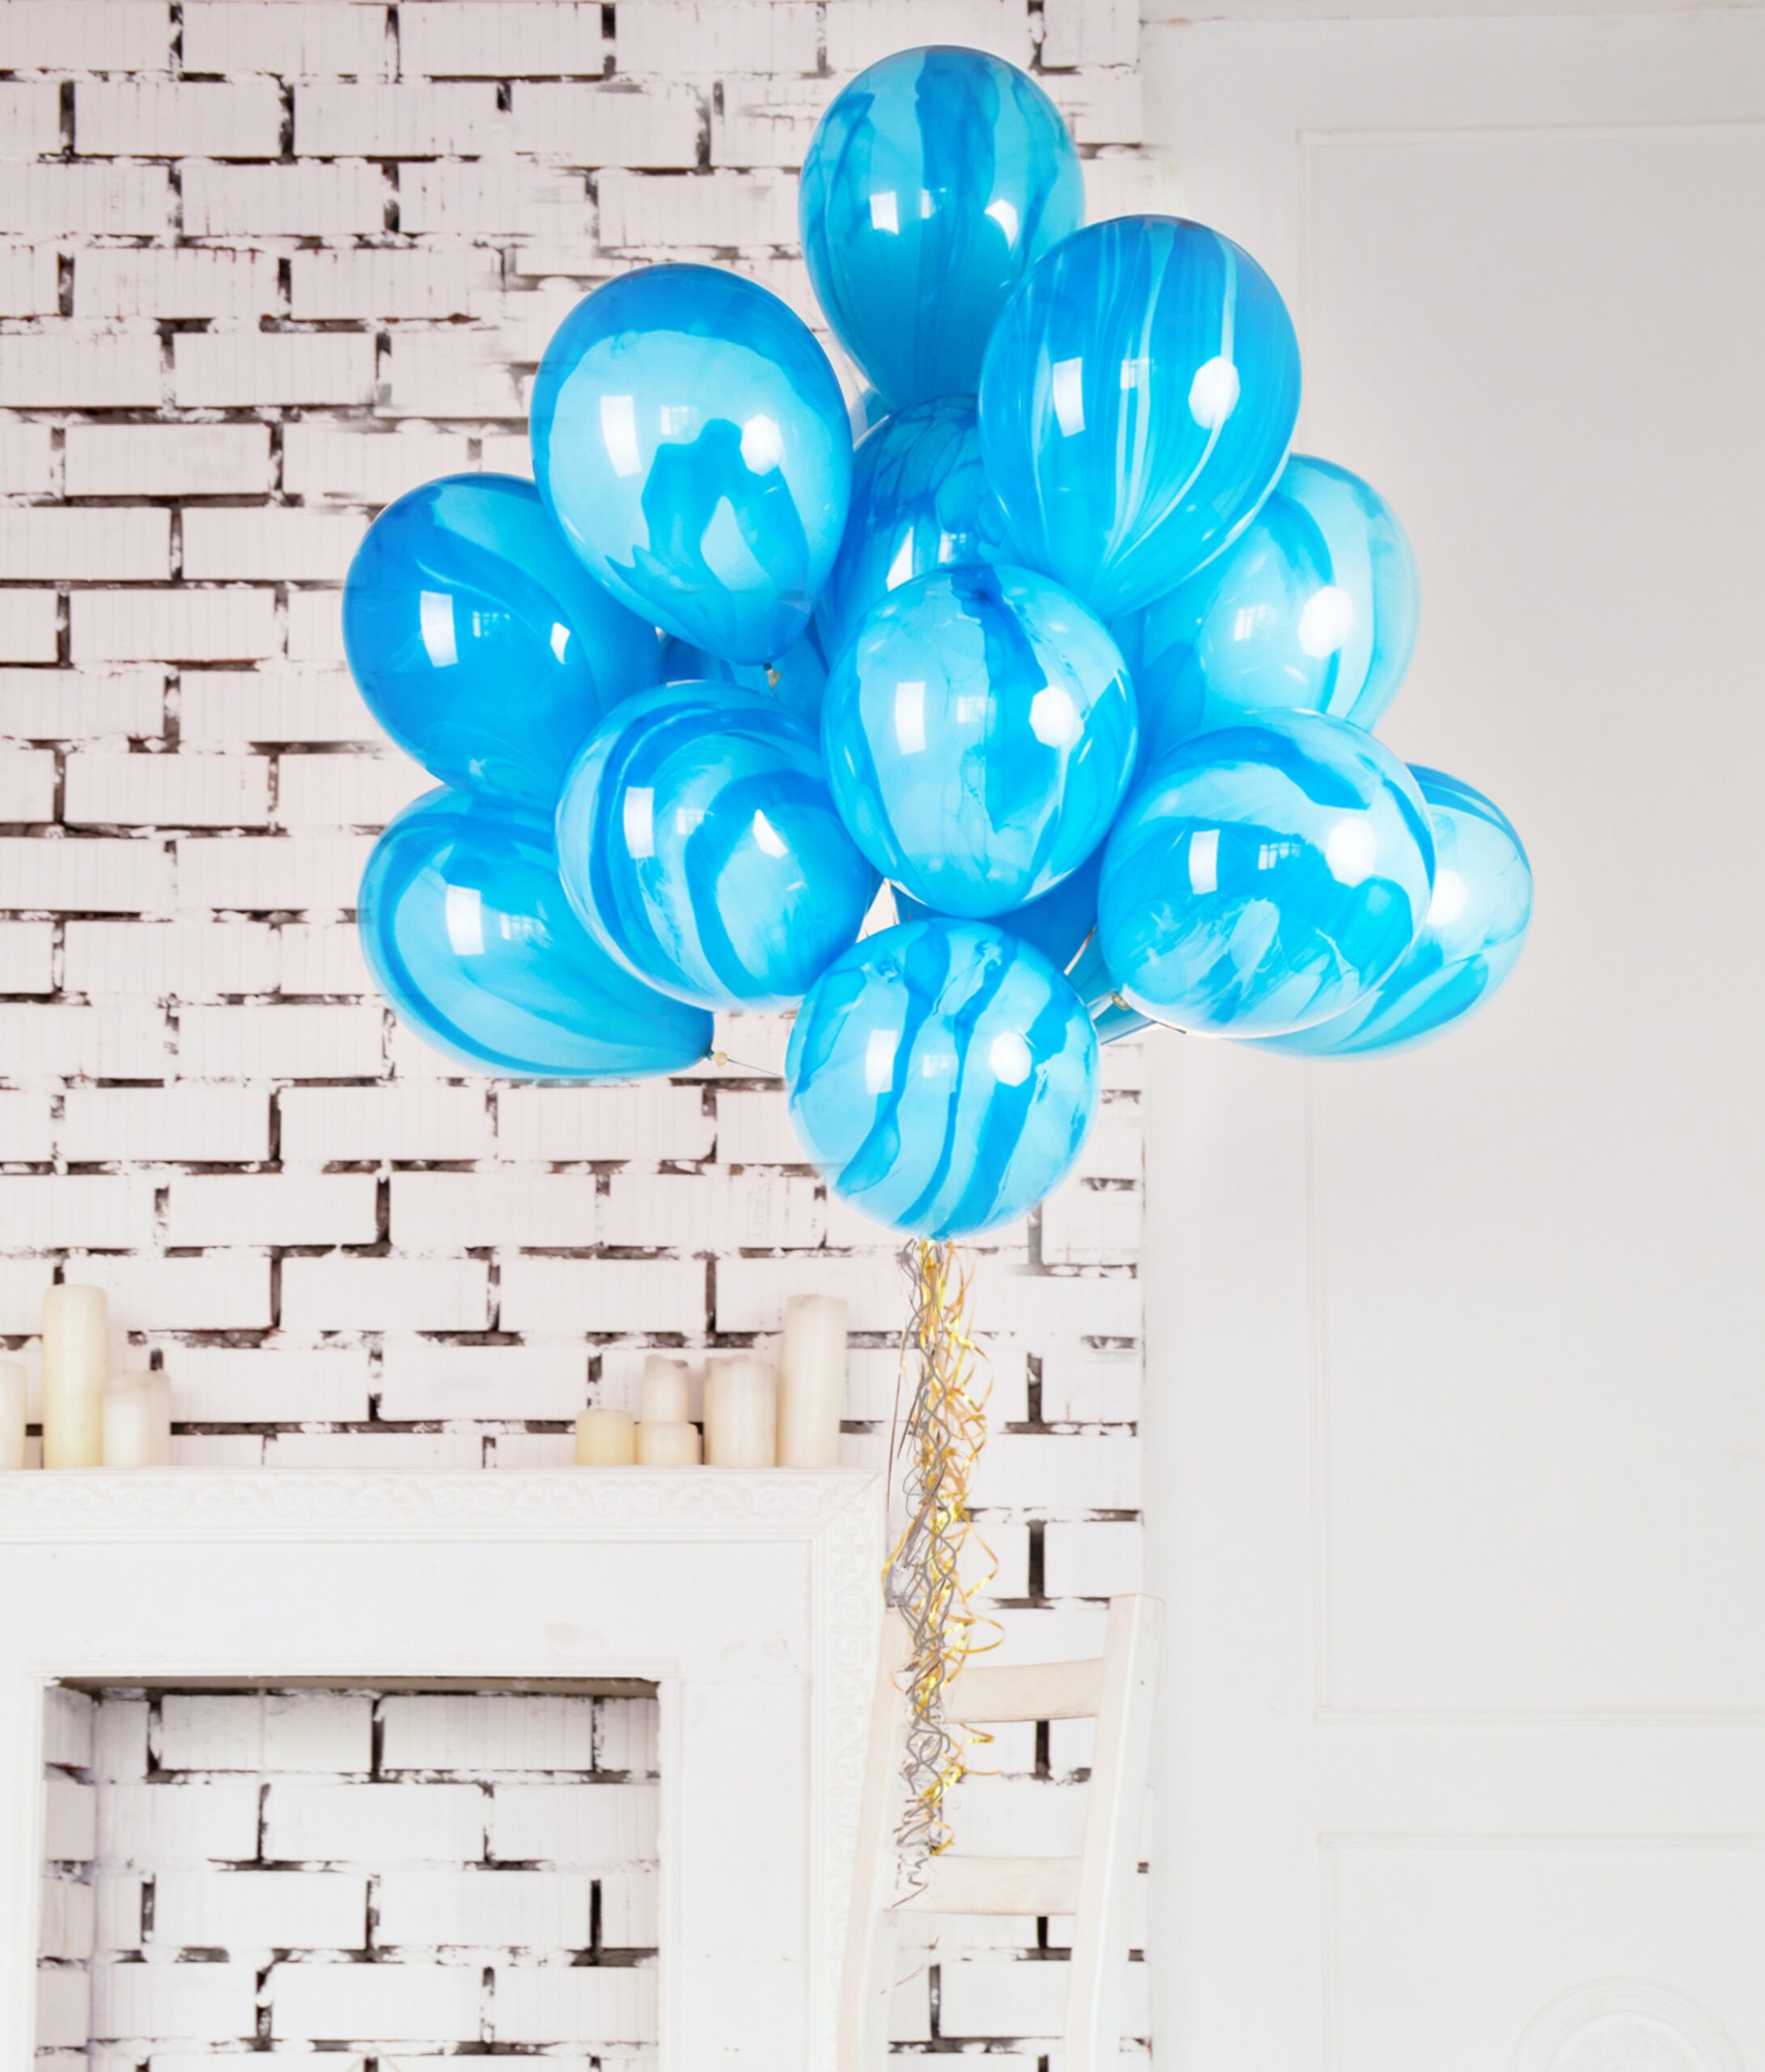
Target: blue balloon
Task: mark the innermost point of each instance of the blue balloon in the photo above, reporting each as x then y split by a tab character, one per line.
1265	877
1311	609
697	842
1092	980
920	503
933	184
463	590
1475	930
797	679
1137	398
690	438
979	734
943	1077
1059	924
467	933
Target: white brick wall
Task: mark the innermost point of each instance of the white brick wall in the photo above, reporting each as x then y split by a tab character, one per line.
263	266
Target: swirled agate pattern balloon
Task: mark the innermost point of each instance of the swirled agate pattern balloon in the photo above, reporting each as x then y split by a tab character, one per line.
462	589
920	503
1058	924
943	1077
697	841
979	734
934	180
797	679
1265	876
467	933
691	439
1137	402
1311	609
1475	930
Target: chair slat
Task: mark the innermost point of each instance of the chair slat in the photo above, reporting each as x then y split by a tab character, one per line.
995	1884
1041	1690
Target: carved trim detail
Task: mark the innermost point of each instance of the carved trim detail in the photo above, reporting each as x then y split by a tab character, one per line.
1624	2025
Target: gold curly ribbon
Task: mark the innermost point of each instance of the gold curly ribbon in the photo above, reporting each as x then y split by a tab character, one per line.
939	1446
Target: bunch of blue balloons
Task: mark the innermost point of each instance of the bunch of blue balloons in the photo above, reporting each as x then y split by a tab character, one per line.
1072	652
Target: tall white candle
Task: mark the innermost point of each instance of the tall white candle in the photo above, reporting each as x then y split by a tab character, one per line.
665	1397
605	1438
128	1422
812	1382
741	1414
76	1328
670	1442
11	1414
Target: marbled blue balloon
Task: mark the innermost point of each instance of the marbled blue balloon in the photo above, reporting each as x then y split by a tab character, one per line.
1136	405
920	503
697	839
979	734
1265	877
933	182
797	679
1311	609
690	438
943	1077
1059	924
1092	979
465	591
467	933
1475	930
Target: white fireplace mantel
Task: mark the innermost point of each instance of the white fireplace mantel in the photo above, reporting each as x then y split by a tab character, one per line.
750	1597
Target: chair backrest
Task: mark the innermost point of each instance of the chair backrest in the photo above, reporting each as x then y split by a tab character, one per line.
1096	1887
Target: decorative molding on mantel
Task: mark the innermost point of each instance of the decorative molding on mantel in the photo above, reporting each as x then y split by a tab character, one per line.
452	1504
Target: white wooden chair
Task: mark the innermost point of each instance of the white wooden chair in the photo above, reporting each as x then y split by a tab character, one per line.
1096	1887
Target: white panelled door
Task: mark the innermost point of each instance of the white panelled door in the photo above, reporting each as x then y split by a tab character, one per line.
1457	1468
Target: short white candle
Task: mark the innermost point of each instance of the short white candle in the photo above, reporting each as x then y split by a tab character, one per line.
606	1438
76	1360
668	1443
128	1422
665	1397
741	1414
812	1382
12	1388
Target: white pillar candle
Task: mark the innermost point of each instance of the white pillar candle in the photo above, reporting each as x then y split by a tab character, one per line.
11	1414
665	1396
606	1438
128	1422
76	1334
812	1382
668	1443
741	1413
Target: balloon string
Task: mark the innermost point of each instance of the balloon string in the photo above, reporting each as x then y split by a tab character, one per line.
939	1447
748	1071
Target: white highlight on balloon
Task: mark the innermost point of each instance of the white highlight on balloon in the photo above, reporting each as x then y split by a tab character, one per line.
880	1060
1004	214
639	816
1204	860
435	627
1350	849
1068	380
1009	1056
462	913
767	836
1213	394
1326	621
763	445
619	434
1450	895
901	568
910	717
884	213
560	640
1054	718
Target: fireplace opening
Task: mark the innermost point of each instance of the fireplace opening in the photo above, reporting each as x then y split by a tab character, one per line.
416	1870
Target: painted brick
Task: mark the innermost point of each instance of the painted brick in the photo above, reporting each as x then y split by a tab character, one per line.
751	1292
78	36
26	957
266	874
346	791
280	1043
425	280
300	1730
27	617
754	1129
152	1825
628	1729
495	1910
1005	1996
85	545
648	1121
318	36
419	1378
27	785
225	1384
70	1821
120	1741
66	704
1098	1559
601	1294
239	706
445	374
65	1922
615	124
405	2001
111	787
186	281
514	39
766	121
251	368
1065	1471
68	1727
181	1124
713	1211
488	196
26	451
180	2002
739	212
63	2000
22	1285
168	118
171	626
573	1825
1077	32
58	369
47	1211
1100	107
1082	1222
335	121
56	198
191	960
441	1212
322	461
857	36
30	285
219	1291
479	1733
30	117
166	459
96	876
374	1823
260	1909
715	37
317	957
1084	1384
553	2003
385	1453
423	1122
341	1293
27	1137
631	1907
